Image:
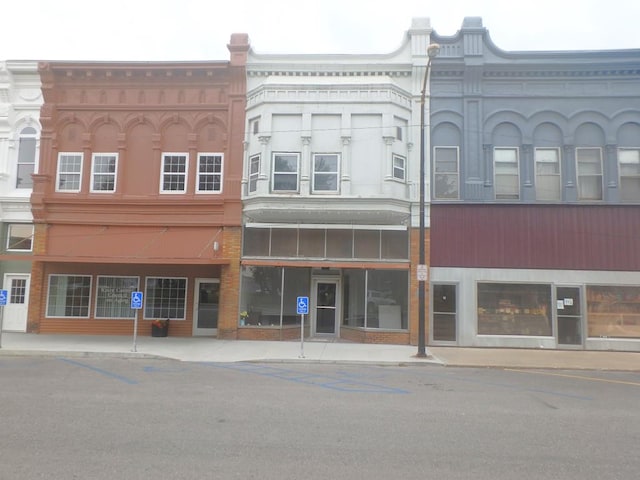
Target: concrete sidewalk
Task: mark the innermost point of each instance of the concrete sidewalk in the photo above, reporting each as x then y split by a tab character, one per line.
198	349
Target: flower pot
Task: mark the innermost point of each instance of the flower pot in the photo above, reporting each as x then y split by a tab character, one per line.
157	331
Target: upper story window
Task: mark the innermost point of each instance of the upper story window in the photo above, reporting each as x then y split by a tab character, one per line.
399	167
20	237
507	173
629	167
103	172
209	173
548	184
173	178
26	157
285	172
446	177
254	172
589	163
69	172
326	170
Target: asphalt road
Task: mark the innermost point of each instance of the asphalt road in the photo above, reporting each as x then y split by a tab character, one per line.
99	418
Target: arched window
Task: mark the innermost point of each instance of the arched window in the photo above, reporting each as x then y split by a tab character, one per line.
26	157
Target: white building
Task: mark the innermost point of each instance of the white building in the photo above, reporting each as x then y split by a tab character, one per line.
331	193
20	102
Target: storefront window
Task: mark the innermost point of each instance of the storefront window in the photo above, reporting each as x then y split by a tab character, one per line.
514	309
69	296
354	296
260	294
613	311
113	297
387	294
265	301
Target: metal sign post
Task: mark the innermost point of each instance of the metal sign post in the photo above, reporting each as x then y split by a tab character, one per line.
136	304
3	302
302	304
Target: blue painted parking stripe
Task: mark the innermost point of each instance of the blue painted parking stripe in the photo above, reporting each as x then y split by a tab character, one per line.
323	381
99	370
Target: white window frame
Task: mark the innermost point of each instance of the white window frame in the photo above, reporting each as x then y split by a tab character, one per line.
580	176
254	173
538	160
164	174
201	175
32	161
335	173
9	246
399	172
632	176
497	175
444	173
148	297
88	298
124	293
95	174
78	173
275	173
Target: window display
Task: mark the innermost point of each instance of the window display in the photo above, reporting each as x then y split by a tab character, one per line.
613	311
514	309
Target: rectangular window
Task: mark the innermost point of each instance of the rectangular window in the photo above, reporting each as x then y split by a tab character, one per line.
387	292
26	158
113	297
446	178
629	165
69	296
548	186
209	173
18	291
326	170
589	169
285	172
514	309
399	167
69	172
103	172
507	173
165	298
613	311
254	172
174	173
20	237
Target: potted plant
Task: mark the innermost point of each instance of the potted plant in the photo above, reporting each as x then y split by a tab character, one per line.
243	318
160	328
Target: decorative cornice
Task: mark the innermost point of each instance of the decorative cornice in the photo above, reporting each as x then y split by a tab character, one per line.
405	72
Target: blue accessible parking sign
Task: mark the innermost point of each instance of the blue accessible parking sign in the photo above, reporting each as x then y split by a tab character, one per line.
3	298
136	300
303	305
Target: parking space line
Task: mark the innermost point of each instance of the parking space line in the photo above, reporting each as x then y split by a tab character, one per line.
100	371
578	377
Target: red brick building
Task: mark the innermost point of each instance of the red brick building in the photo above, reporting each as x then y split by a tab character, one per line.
139	190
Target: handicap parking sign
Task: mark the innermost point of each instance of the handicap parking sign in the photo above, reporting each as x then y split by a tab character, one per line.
303	305
3	297
136	300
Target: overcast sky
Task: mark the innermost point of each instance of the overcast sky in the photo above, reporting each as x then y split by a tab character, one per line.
152	30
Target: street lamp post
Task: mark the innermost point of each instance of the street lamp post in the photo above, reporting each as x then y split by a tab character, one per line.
432	50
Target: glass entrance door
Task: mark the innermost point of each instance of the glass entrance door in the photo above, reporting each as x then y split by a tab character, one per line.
444	313
205	311
326	303
569	316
